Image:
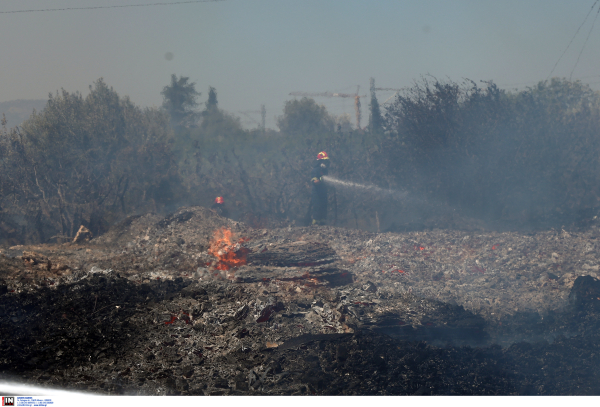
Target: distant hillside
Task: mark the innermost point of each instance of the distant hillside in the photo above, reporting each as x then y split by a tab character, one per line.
17	111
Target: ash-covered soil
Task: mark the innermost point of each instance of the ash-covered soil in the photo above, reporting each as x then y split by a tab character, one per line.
160	306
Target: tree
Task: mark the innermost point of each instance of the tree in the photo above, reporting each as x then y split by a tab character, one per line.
179	100
211	103
375	118
85	161
527	156
305	117
344	123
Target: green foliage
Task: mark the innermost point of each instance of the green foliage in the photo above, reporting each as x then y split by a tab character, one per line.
528	157
305	117
179	100
375	118
264	176
211	103
87	161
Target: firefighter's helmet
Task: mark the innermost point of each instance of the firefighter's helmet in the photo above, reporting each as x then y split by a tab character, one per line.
322	156
219	200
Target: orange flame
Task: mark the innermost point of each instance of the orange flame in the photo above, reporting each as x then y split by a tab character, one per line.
228	254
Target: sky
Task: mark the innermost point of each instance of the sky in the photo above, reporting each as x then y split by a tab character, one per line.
256	52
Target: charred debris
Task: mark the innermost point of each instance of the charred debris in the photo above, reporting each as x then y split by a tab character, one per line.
196	304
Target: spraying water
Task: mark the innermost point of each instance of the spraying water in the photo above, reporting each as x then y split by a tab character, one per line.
370	189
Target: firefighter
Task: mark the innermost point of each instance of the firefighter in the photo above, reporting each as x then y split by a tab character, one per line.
219	207
318	199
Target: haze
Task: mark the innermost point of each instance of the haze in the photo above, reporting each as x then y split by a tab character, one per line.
257	52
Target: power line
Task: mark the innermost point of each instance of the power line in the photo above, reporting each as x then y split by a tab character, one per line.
570	42
586	40
101	7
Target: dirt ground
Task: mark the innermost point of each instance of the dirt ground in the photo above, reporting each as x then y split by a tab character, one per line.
197	304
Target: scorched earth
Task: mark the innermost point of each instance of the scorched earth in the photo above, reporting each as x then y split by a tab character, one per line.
197	304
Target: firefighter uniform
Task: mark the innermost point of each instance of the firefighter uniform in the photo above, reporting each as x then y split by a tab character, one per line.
318	200
219	207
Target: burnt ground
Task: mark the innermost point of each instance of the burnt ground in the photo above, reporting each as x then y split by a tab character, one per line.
147	309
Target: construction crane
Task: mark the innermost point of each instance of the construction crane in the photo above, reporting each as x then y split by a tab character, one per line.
356	97
263	114
373	89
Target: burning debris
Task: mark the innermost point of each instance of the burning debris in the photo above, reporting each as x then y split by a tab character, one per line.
228	254
197	304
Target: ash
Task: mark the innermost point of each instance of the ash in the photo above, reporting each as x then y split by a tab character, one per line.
150	309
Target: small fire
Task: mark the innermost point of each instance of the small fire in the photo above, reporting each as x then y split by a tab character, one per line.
228	253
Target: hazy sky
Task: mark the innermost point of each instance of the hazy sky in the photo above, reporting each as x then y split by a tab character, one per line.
258	51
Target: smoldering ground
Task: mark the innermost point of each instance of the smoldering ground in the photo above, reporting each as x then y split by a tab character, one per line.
147	309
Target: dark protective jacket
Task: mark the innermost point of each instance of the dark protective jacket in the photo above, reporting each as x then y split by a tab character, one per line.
318	199
221	209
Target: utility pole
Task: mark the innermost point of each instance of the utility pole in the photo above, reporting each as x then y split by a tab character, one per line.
263	114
